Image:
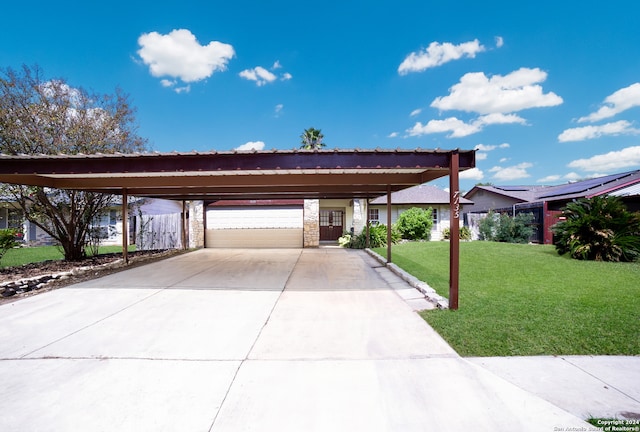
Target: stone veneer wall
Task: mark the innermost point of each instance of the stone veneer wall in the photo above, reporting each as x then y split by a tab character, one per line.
311	223
359	215
196	224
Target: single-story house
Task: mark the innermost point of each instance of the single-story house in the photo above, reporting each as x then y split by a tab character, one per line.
284	223
154	223
11	216
422	196
546	202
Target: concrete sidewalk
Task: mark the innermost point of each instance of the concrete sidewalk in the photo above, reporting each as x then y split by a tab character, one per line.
233	340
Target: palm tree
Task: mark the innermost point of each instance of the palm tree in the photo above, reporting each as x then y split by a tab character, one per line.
312	139
598	228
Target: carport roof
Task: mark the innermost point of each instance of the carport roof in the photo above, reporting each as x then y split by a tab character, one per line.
212	176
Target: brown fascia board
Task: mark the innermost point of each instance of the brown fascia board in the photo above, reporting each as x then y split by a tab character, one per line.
245	175
231	161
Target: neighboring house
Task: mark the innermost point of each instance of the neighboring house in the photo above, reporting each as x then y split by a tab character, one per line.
109	223
422	196
162	217
546	202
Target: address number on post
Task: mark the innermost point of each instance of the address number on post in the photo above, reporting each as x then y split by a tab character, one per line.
456	204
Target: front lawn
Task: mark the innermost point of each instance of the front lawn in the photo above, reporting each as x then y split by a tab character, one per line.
526	300
27	255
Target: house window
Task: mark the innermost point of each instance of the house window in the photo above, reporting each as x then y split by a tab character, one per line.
15	219
434	213
374	216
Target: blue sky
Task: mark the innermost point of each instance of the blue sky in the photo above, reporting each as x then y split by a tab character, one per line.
548	92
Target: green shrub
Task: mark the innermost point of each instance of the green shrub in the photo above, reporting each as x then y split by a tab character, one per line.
465	233
599	228
415	224
7	241
377	238
505	228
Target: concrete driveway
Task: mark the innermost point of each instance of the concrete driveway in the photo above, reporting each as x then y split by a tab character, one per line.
239	340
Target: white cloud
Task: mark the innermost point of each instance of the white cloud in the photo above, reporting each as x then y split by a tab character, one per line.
167	83
179	55
438	54
415	112
572	176
499	41
392	135
516	91
483	147
549	179
615	103
498	118
184	89
621	127
503	160
471	174
608	162
251	145
459	128
262	76
511	173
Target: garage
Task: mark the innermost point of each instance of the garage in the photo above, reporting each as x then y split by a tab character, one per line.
255	224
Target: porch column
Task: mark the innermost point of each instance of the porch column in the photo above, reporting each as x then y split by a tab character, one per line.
125	226
454	243
183	232
366	226
388	223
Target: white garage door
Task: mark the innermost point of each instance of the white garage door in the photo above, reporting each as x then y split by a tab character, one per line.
254	227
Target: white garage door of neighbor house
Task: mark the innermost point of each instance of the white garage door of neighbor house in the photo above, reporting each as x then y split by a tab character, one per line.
254	227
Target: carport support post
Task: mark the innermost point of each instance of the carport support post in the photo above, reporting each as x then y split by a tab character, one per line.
125	226
368	238
184	220
388	223
454	238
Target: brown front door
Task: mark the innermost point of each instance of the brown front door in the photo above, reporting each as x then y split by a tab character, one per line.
331	224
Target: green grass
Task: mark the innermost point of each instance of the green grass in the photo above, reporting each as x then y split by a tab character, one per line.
26	255
527	300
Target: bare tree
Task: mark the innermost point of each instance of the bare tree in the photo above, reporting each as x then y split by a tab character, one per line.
39	116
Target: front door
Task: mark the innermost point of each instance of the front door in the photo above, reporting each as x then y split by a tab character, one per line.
331	224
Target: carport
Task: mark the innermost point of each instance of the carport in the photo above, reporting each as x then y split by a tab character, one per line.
212	176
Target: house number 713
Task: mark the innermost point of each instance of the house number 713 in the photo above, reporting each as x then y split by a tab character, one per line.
456	204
